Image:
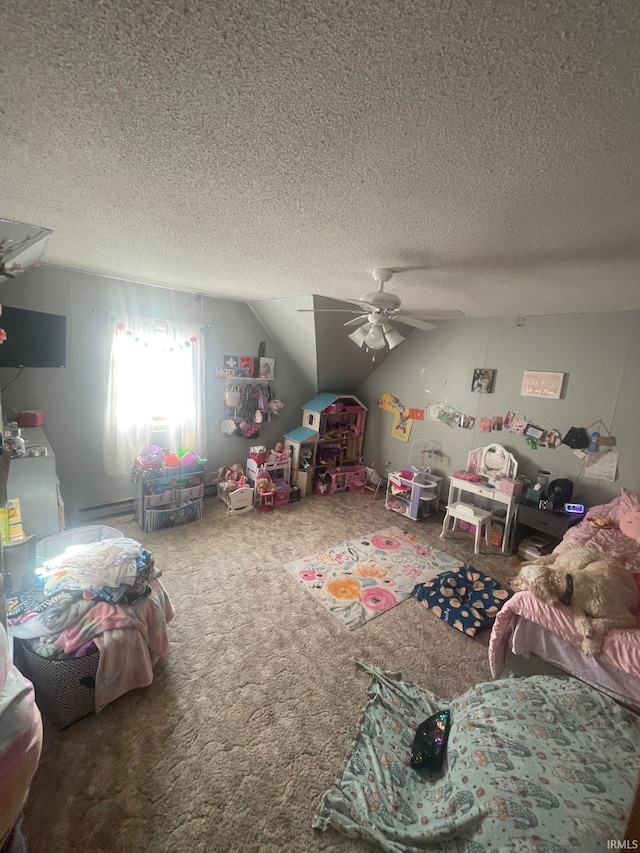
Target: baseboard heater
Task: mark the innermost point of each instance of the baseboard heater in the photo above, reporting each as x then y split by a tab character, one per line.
90	514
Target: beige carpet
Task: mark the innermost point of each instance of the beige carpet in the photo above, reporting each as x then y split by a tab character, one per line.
251	717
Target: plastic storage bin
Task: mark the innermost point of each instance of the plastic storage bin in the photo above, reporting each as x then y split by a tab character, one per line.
282	495
53	546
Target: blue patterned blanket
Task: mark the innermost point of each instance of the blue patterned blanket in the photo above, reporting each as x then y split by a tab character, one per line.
538	764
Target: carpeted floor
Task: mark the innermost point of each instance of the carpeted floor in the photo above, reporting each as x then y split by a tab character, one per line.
250	719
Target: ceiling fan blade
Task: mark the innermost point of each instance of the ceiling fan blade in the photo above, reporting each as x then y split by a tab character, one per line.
356	320
362	303
413	321
328	311
445	314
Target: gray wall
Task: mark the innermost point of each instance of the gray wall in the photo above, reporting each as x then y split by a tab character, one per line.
72	398
318	342
295	331
600	353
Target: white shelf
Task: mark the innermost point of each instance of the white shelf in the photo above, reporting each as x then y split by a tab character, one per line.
244	379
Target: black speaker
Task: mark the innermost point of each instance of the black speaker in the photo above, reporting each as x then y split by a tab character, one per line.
560	492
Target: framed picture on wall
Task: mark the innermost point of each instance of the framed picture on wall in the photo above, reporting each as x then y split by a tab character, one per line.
247	361
537	383
267	368
483	379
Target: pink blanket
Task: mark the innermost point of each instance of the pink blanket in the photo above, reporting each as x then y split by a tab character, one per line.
621	648
131	640
611	541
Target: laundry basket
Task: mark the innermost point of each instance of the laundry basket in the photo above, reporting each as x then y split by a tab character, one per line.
53	546
65	688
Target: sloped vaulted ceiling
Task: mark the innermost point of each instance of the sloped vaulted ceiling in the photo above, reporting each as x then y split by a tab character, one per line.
261	150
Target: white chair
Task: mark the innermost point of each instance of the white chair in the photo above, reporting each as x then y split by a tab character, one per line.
473	515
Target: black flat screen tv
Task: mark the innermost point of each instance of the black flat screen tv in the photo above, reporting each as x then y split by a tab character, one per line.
34	339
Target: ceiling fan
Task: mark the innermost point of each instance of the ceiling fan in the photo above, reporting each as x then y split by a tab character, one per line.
374	326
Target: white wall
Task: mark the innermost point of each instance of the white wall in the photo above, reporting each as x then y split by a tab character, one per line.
600	353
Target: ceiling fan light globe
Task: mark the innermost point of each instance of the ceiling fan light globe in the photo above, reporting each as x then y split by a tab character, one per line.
376	344
393	337
358	337
375	339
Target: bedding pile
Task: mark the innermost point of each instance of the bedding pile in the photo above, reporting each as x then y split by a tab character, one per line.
538	763
105	596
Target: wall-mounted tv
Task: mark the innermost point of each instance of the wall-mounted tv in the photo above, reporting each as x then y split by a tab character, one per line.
34	339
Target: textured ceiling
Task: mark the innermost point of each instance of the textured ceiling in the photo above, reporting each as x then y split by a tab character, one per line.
269	149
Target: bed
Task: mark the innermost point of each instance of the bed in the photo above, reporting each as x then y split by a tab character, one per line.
529	636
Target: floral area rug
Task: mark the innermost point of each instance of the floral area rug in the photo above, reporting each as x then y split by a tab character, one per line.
362	578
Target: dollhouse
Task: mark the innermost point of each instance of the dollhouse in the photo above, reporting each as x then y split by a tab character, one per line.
328	445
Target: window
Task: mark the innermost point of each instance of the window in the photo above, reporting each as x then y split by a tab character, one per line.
155	378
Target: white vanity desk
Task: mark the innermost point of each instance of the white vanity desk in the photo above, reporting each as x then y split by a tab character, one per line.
488	461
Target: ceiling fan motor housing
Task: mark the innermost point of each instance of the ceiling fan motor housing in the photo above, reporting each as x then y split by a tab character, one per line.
382	300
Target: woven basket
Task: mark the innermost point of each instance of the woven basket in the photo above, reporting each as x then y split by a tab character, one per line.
65	689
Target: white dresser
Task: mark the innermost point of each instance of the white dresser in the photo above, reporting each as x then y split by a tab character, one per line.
33	480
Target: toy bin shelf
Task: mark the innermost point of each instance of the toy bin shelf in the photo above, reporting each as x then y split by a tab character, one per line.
171	497
413	493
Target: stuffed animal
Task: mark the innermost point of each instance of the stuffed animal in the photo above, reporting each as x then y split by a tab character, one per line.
265	486
601	592
630	524
602	522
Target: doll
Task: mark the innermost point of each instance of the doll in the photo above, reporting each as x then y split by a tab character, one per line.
275	455
234	472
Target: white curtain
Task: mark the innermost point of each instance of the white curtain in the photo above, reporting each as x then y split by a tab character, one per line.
155	371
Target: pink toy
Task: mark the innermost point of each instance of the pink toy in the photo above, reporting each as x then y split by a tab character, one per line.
467	475
151	457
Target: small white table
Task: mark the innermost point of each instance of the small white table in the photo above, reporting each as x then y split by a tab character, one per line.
458	488
479	519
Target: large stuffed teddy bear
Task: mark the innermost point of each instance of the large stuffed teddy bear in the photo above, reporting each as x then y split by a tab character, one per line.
598	588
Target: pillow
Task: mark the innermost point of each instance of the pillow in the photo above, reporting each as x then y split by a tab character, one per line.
464	598
630	524
629	501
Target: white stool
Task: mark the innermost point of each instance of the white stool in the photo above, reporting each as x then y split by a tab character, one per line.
472	515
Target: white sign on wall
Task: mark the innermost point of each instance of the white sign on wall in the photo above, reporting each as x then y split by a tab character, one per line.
538	384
